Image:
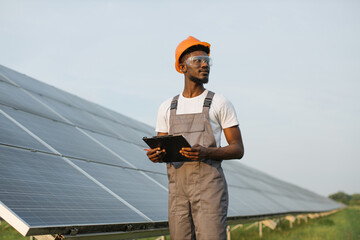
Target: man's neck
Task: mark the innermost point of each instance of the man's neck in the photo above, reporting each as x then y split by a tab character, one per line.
192	89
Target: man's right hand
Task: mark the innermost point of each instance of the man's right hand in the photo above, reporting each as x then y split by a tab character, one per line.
156	154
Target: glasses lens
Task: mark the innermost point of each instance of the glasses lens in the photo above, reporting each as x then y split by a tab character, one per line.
198	60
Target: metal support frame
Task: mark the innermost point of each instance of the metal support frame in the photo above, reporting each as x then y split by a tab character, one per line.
267	223
302	216
46	237
108	236
229	230
161	238
291	220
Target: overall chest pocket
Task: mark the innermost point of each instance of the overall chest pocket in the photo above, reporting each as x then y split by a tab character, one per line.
189	123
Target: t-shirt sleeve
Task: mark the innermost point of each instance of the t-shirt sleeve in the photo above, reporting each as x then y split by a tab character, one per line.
162	121
227	115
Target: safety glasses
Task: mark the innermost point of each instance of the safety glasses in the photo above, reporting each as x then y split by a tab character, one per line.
197	61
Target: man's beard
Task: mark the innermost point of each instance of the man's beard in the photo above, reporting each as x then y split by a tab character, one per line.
198	80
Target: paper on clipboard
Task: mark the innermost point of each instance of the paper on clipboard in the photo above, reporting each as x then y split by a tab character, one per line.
172	145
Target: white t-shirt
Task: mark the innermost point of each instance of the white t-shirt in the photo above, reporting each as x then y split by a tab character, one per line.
222	113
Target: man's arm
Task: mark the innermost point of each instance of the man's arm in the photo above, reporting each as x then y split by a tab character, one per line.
235	149
157	154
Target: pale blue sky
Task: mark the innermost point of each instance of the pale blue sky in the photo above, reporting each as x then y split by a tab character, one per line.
291	69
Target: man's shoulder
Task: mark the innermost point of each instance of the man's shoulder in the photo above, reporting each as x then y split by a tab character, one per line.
165	104
220	100
166	101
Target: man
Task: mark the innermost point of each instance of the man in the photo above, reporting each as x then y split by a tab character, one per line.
198	198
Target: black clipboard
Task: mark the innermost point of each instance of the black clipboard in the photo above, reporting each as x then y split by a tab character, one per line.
172	145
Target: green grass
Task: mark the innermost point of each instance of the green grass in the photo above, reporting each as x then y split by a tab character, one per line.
7	232
343	225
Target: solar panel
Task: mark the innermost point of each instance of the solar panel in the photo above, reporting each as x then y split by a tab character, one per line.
68	163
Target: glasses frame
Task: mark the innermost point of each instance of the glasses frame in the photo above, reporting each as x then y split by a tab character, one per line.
203	59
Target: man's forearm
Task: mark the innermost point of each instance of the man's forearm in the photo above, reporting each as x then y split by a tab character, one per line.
233	151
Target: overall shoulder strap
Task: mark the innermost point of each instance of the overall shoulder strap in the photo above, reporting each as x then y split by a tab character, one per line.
208	99
207	103
174	102
173	108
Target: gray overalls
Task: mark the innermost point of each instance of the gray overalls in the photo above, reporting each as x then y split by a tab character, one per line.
198	197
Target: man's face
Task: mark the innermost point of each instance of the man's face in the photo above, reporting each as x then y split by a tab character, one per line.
197	67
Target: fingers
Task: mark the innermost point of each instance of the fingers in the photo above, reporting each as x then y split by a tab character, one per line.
195	148
156	155
190	153
195	153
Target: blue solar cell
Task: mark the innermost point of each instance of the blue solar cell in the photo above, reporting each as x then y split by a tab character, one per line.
66	139
14	97
134	154
33	85
135	188
38	187
11	134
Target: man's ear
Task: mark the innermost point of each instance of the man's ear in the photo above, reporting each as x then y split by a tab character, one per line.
182	68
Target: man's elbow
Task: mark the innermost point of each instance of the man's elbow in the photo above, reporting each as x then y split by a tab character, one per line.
239	153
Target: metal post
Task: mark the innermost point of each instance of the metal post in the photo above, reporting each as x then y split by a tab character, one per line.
228	232
260	229
291	219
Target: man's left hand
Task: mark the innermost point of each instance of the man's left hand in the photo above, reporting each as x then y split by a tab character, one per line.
195	153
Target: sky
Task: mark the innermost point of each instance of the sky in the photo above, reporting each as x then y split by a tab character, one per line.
290	68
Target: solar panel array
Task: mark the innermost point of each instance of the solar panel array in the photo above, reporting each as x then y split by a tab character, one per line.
66	162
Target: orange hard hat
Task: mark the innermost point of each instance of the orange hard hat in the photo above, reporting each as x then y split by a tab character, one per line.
189	42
